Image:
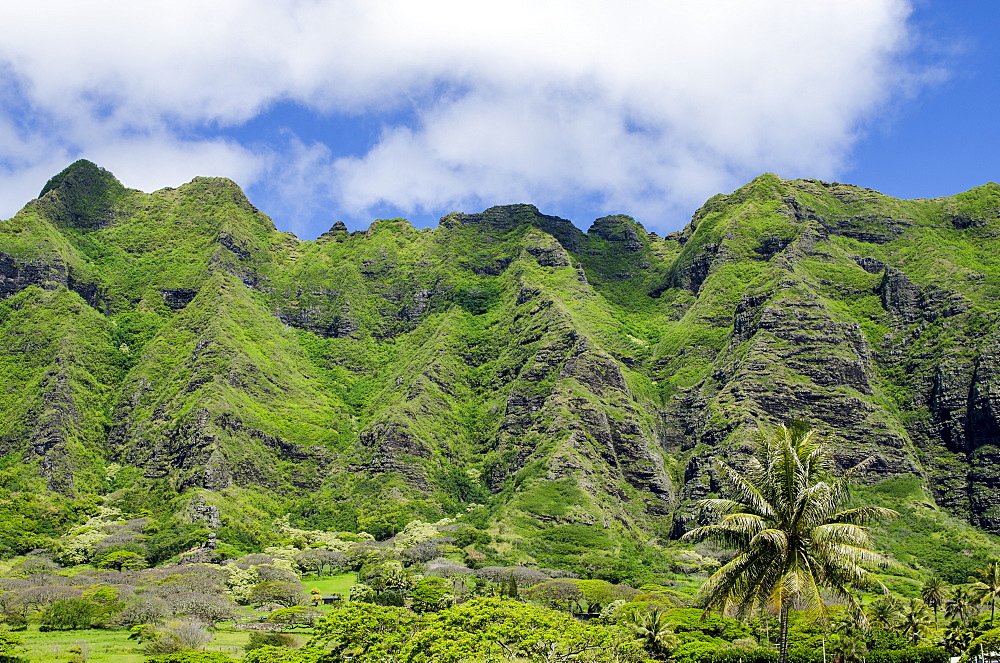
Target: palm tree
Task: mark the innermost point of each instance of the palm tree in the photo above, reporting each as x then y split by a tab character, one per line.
915	620
651	629
934	592
848	648
793	537
959	607
849	622
986	588
885	611
957	639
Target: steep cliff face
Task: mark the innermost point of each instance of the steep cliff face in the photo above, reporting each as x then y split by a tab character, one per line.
57	378
567	381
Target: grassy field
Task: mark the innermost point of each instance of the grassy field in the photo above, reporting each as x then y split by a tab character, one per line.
102	645
341	583
107	646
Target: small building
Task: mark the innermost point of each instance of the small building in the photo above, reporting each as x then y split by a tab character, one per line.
332	599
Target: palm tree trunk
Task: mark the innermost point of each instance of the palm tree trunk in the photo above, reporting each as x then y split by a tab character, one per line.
783	637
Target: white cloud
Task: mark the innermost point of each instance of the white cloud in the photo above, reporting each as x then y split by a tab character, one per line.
644	105
152	161
299	186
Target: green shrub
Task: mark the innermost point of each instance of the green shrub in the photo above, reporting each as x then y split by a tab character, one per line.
695	652
260	639
910	655
192	657
735	655
69	614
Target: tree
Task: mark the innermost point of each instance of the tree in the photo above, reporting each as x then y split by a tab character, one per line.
934	592
31	566
986	588
204	607
193	657
107	598
431	595
10	645
177	636
388	576
959	607
509	587
260	639
15	610
558	594
885	611
848	648
915	620
792	535
985	642
651	628
364	631
315	559
70	614
956	639
292	617
498	628
122	560
272	654
285	594
142	610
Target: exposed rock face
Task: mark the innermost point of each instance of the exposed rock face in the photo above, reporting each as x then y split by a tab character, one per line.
984	487
53	421
899	295
693	272
869	264
395	449
984	397
207	514
618	229
548	253
772	245
788	357
949	402
16	275
504	218
178	298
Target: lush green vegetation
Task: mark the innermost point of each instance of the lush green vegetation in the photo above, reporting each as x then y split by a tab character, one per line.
181	382
793	536
418	600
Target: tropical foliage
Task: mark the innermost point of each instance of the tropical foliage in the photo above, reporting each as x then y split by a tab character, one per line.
793	535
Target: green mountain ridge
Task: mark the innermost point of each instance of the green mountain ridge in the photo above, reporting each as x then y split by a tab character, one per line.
564	390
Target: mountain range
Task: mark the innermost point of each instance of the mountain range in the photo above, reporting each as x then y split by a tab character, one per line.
172	353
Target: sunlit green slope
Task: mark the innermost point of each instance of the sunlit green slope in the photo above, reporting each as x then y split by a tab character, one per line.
565	390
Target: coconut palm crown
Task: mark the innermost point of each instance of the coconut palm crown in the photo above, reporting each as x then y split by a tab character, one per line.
986	587
786	519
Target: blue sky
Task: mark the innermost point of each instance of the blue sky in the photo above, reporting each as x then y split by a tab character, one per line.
945	137
327	110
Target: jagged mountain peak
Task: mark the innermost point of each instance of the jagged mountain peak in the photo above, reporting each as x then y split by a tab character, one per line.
83	196
84	177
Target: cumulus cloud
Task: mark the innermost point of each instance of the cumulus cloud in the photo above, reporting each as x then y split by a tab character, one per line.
641	106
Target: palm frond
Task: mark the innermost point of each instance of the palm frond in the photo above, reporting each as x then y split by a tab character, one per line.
785	516
863	515
744	492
